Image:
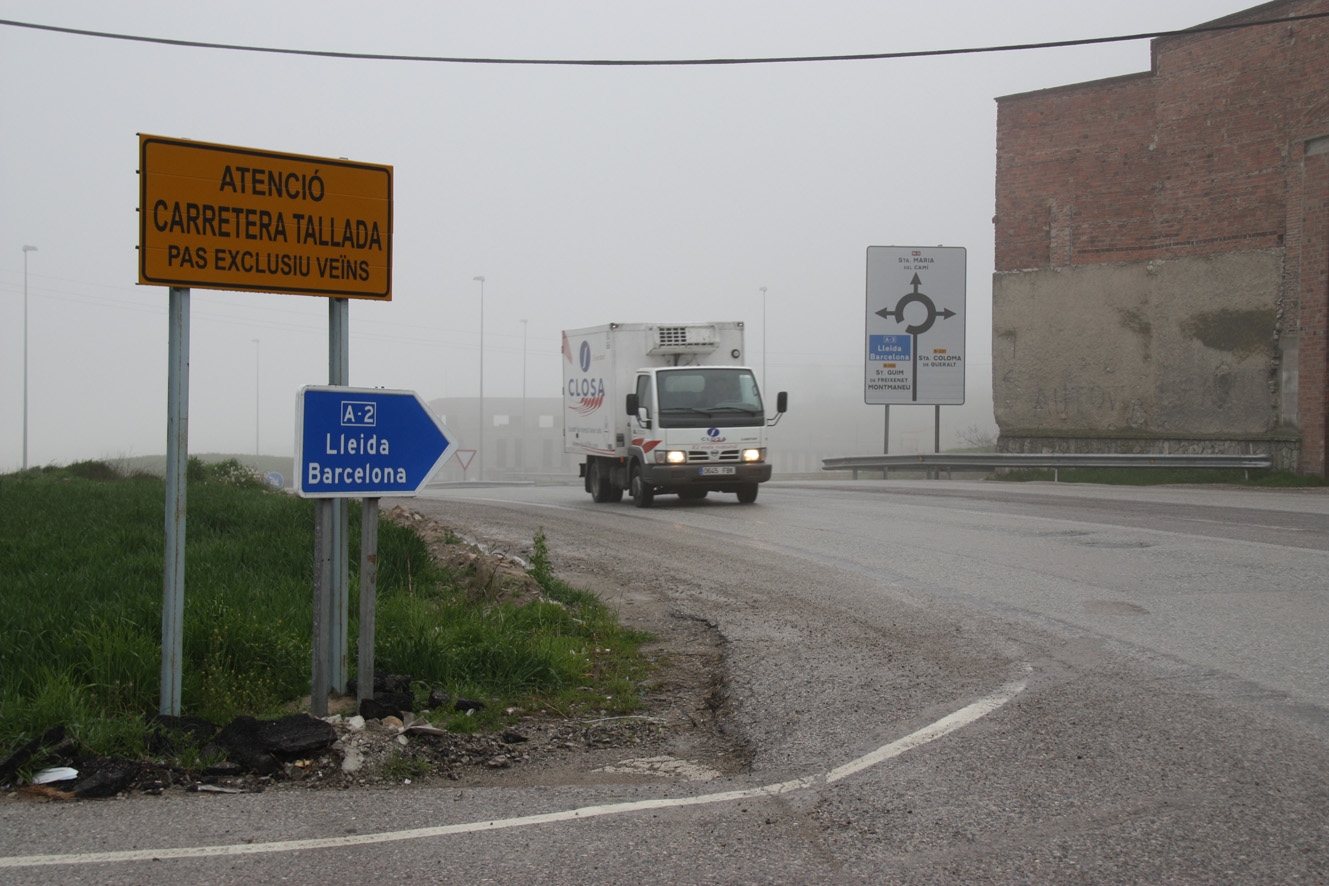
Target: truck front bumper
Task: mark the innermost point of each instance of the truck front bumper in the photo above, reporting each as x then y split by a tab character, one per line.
670	478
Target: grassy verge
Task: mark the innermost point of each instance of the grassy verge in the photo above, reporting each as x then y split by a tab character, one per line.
1161	476
81	548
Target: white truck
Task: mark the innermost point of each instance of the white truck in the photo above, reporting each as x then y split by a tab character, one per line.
664	408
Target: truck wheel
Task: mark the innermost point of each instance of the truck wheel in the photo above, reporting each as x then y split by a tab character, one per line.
602	491
642	493
748	494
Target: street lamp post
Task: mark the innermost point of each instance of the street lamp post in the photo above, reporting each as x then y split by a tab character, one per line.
525	436
26	250
257	388
480	454
763	340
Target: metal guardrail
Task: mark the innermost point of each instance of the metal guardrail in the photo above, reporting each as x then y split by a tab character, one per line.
985	461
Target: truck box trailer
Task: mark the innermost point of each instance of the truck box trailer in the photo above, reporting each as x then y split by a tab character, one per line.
661	408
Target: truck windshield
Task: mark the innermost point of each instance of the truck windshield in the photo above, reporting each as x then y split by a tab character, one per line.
693	397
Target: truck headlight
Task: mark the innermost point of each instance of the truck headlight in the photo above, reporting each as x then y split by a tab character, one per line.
672	456
754	455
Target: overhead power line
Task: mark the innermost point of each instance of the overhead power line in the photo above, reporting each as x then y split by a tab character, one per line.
681	62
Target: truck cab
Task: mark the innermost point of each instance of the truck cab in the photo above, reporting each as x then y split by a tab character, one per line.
694	430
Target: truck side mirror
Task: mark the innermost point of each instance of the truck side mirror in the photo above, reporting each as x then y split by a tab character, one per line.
781	406
641	412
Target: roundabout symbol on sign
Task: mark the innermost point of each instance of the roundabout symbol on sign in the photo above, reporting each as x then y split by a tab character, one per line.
916	296
915	329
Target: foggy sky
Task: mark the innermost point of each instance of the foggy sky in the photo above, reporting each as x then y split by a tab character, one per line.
583	195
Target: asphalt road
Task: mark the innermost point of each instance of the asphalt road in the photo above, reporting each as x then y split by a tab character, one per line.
939	682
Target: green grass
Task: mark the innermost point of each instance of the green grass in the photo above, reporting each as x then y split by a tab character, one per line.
1161	476
81	549
402	767
567	656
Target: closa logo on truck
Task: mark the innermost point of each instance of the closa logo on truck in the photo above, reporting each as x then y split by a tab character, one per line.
589	392
585	395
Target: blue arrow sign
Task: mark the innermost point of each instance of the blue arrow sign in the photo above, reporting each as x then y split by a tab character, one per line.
366	443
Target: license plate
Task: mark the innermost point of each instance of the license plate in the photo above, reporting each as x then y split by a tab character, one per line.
718	470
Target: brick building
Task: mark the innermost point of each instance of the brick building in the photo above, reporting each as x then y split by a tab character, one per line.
1162	277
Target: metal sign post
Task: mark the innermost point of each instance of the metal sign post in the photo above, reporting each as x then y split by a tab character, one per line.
320	682
221	217
364	684
886	441
339	373
177	461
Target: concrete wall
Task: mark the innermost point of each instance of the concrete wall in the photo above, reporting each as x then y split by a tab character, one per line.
1182	350
1306	345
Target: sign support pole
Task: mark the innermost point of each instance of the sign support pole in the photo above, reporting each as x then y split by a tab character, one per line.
324	512
886	442
936	435
339	373
332	572
364	680
177	458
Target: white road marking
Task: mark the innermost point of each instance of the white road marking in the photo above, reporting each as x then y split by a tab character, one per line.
945	725
932	732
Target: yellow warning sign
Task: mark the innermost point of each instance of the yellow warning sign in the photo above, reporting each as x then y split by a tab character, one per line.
219	217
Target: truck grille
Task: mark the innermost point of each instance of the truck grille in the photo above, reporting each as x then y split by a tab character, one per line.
713	455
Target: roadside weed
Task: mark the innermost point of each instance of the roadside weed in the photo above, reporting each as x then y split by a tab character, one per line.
82	549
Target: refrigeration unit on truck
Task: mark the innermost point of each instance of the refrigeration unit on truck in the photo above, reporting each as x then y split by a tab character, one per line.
662	409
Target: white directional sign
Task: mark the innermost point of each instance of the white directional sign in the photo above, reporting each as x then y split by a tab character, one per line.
915	325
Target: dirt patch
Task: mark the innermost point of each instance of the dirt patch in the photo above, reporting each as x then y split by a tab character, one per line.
486	573
679	733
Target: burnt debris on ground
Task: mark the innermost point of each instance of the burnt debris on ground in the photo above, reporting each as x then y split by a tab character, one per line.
337	752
